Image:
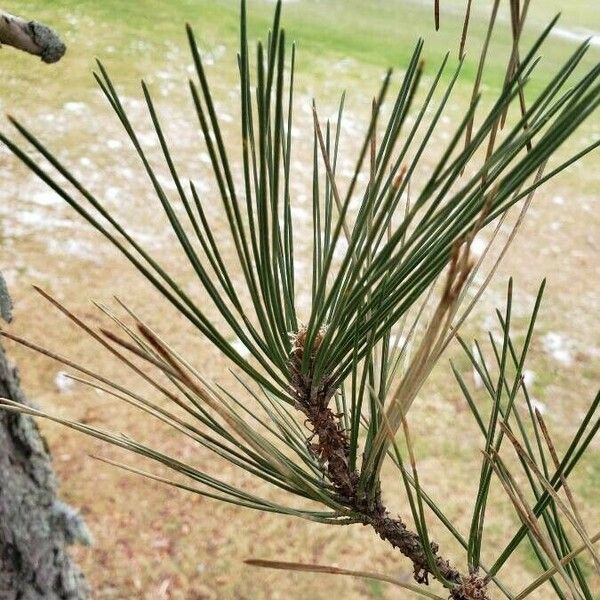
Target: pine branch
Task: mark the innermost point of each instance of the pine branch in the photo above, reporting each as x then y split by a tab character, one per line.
332	450
392	268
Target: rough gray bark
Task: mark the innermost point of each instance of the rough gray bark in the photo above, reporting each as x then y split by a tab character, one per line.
31	36
35	526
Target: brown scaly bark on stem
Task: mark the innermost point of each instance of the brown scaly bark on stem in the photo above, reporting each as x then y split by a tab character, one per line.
329	444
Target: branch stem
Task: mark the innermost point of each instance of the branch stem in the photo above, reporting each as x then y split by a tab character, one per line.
31	36
330	446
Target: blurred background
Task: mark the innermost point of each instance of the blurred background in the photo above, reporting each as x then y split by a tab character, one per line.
150	541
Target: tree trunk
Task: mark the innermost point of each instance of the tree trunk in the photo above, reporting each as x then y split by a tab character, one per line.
35	526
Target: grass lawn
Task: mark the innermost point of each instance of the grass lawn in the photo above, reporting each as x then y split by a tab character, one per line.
134	38
152	543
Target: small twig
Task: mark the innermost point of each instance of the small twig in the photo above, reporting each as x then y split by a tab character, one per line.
32	37
311	568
